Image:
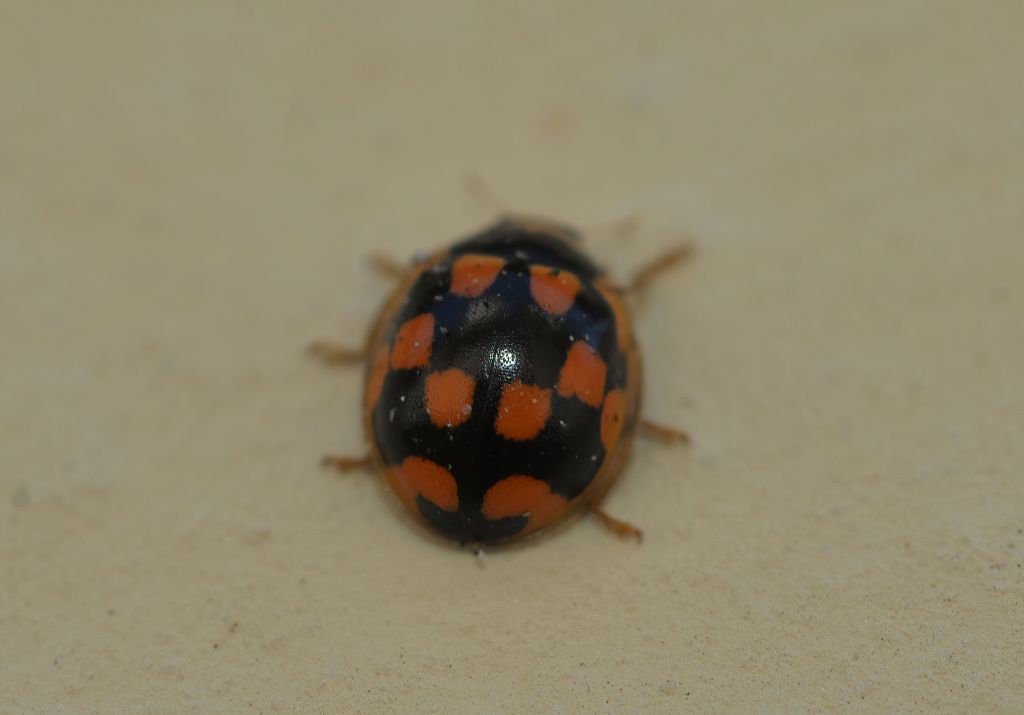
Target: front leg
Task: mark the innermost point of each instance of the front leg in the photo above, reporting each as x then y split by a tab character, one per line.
646	275
334	353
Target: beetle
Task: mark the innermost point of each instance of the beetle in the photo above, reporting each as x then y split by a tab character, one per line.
503	383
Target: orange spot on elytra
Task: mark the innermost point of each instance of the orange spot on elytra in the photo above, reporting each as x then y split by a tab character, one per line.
523	411
473	274
583	375
622	323
524	496
450	397
375	379
413	343
421	477
554	290
613	419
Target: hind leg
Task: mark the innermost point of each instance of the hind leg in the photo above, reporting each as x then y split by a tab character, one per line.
622	529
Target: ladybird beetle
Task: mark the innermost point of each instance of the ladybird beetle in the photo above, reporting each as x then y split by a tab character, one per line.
503	384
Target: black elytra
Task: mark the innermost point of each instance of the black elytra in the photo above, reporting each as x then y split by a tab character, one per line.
500	337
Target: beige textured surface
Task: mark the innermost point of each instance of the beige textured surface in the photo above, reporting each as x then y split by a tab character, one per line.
186	194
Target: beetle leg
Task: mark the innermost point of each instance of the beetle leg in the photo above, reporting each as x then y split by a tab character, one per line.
478	189
347	464
617	229
622	529
338	354
335	354
388	267
643	278
661	433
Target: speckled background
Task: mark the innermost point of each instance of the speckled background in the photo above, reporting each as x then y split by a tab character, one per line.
187	192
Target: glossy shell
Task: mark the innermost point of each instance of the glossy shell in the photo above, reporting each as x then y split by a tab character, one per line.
503	386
